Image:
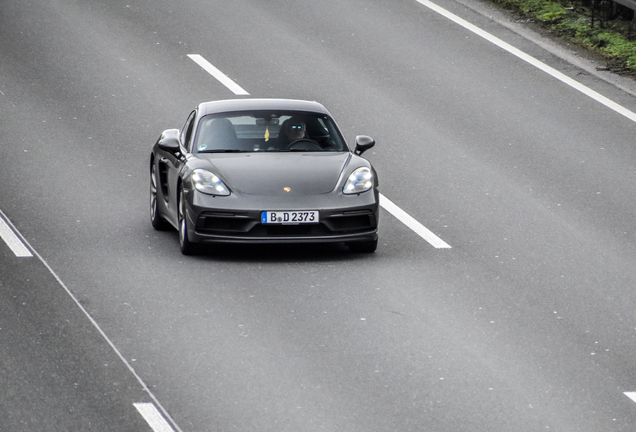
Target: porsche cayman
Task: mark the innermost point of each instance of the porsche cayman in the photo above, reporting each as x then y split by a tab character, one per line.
263	171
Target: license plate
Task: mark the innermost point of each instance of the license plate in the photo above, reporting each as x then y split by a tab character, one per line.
290	217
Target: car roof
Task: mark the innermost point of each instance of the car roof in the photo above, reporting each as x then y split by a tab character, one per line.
231	105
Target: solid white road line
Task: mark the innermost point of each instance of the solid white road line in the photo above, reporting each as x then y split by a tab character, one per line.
149	411
12	240
220	76
81	307
156	421
533	61
407	220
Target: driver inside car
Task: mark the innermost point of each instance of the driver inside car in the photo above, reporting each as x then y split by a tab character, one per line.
292	129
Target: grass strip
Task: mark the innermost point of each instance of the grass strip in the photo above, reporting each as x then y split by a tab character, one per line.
612	39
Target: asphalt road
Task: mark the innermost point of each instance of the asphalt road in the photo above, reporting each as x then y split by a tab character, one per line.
526	323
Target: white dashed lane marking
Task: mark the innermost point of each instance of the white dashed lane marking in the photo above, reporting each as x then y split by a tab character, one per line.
631	395
410	222
153	417
11	238
220	76
387	204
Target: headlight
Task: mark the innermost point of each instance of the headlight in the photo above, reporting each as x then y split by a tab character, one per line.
361	180
208	183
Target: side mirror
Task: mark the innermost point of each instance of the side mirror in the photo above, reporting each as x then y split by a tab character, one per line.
363	143
169	141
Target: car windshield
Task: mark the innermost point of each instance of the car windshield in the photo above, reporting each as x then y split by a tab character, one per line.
257	131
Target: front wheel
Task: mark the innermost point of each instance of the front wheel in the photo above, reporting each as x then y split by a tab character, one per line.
363	247
157	221
187	247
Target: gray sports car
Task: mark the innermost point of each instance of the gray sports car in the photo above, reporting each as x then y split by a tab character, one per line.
263	171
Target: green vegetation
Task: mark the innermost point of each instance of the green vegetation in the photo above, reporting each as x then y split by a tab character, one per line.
613	38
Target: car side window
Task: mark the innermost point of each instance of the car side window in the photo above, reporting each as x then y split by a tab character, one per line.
186	132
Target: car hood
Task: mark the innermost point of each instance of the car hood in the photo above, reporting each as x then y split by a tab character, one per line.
280	174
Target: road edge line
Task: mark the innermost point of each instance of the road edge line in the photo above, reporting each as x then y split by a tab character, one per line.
106	338
531	60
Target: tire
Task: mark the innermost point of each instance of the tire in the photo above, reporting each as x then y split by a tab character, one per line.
157	221
187	247
363	247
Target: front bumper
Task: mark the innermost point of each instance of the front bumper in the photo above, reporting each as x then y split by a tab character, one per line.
213	220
